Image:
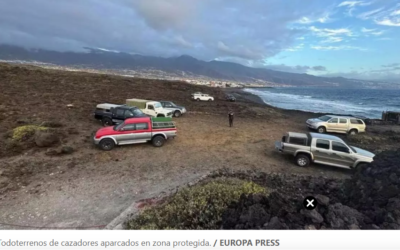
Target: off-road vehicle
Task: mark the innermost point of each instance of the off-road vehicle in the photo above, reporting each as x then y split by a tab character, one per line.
337	124
322	149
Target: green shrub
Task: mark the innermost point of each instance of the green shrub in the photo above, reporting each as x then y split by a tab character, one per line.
24	132
197	207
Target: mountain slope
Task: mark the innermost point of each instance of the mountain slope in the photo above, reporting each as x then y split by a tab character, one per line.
103	59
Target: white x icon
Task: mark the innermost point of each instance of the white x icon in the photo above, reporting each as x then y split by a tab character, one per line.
310	203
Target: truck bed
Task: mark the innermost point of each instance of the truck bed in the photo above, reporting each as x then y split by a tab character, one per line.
162	123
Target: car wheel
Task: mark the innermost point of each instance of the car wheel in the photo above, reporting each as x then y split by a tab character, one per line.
177	113
107	144
210	100
107	122
321	130
158	141
353	132
302	160
197	99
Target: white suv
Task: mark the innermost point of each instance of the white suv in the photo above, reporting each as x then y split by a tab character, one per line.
337	124
202	97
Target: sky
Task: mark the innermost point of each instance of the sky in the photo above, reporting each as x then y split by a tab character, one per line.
356	39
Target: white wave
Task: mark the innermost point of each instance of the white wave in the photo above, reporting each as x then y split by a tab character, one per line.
300	102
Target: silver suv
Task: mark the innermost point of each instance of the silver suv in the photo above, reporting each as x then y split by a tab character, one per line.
323	149
337	124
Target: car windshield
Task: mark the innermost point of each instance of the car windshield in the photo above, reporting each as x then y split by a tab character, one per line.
137	112
324	118
157	105
353	149
173	104
118	126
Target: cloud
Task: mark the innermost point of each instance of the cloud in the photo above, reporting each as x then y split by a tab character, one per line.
391	65
324	18
179	40
163	15
319	68
389	22
159	27
333	39
374	32
300	69
351	5
395	13
331	35
386	16
240	51
369	14
331	32
390	76
344	47
295	48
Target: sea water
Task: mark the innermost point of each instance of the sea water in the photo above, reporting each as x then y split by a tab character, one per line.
362	102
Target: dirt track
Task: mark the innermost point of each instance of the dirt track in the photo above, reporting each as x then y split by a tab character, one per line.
91	187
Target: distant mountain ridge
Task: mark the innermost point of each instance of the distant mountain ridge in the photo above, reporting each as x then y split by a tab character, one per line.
106	59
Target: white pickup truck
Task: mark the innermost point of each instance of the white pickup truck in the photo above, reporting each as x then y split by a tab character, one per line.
152	108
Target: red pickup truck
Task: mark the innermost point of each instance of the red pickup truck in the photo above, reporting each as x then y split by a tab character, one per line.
136	130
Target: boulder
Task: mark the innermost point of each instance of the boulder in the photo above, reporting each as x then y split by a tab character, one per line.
4	181
67	150
322	200
45	138
60	151
313	215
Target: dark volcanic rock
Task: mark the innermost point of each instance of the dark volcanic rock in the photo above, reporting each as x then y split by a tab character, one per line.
45	138
369	200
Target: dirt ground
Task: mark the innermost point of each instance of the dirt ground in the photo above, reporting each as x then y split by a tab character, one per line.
90	187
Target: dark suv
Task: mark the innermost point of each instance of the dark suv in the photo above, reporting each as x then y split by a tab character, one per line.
230	98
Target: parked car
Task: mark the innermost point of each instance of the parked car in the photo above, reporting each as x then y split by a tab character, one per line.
136	130
196	93
177	110
152	108
106	107
203	97
323	149
110	114
230	98
337	124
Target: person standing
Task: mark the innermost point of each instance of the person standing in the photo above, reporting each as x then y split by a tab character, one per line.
230	115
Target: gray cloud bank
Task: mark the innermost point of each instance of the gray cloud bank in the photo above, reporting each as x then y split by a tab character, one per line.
206	29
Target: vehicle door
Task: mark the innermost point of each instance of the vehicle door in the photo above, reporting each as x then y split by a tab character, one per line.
332	125
118	115
150	110
126	134
342	154
343	125
142	131
167	105
321	150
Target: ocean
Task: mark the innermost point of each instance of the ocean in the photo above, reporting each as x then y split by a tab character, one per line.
362	102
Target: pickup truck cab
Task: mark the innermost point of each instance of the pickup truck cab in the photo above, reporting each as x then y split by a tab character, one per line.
136	130
110	114
176	110
202	97
323	149
152	108
337	124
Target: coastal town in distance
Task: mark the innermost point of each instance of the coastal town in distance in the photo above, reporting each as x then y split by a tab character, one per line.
156	74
